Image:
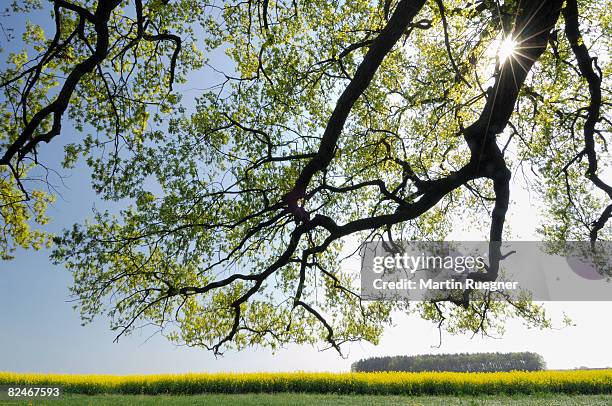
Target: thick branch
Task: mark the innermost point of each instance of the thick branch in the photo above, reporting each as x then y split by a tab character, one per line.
403	15
585	65
27	141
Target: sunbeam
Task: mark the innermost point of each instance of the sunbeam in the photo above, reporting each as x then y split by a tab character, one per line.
507	48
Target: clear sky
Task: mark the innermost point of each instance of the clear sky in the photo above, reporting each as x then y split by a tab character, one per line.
40	332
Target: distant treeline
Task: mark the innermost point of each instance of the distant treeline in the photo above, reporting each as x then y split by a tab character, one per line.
479	362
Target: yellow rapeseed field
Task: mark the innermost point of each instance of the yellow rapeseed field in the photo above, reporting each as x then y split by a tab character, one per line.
406	383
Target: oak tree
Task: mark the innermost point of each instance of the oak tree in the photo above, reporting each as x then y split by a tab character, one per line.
332	123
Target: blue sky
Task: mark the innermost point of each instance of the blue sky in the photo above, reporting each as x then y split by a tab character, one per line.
40	331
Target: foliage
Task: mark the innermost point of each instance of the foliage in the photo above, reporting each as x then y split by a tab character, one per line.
477	362
330	122
384	383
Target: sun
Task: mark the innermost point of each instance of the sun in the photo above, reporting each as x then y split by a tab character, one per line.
507	48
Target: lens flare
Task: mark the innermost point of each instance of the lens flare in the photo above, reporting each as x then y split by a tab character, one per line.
506	49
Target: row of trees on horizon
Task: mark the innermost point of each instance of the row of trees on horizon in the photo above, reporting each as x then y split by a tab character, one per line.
477	362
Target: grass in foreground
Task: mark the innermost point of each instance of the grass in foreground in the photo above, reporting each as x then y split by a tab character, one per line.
297	399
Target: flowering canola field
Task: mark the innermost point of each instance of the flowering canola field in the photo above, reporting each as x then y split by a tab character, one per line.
382	383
